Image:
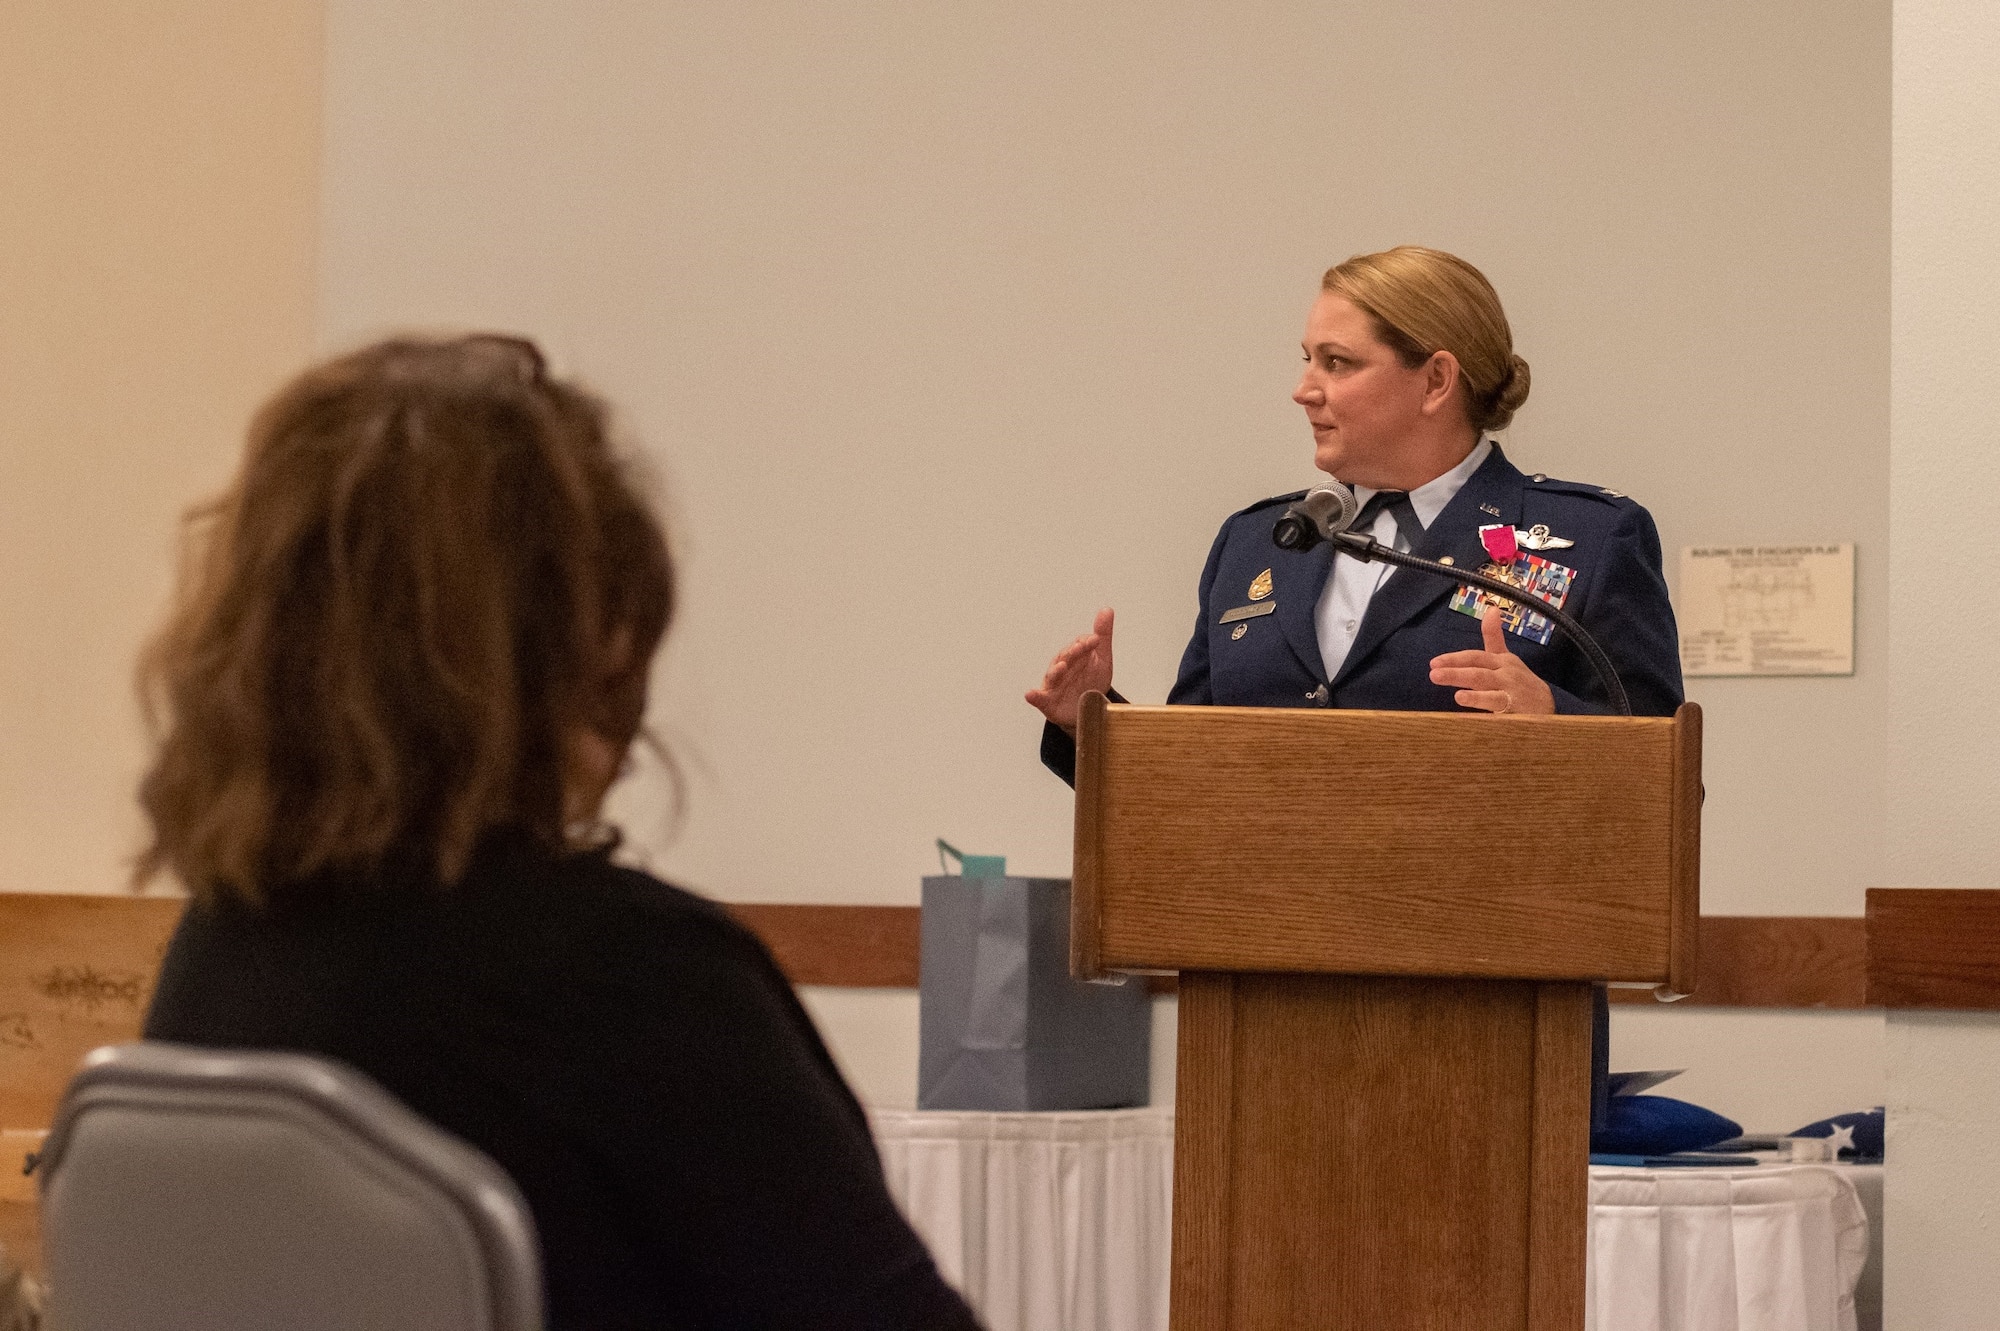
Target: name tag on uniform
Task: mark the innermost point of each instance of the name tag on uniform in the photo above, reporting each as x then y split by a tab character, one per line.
1247	612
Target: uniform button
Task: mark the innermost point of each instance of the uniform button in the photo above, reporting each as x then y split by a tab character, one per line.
1539	477
1351	624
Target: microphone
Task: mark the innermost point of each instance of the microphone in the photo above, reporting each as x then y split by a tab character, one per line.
1325	512
1319	513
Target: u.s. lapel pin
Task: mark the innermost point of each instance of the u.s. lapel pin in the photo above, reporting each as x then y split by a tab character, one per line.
1488	508
1537	537
1260	586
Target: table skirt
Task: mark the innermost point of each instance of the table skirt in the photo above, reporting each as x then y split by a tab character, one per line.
1777	1247
1063	1222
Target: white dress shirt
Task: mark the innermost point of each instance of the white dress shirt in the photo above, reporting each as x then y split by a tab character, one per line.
1344	599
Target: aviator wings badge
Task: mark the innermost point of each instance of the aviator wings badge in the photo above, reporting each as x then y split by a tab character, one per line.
1537	538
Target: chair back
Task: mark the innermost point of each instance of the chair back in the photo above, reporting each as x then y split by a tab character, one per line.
237	1190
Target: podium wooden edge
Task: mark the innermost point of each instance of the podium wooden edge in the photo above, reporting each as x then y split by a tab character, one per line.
1085	911
1199	1261
1559	1157
1684	906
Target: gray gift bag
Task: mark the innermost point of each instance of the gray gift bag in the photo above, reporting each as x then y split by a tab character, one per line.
1003	1024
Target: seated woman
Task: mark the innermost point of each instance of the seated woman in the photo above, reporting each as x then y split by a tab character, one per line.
404	670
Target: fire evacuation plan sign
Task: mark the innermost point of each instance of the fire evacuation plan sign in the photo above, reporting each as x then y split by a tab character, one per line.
1766	610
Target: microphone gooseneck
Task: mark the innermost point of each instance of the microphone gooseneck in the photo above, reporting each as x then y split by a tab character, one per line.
1366	548
1320	515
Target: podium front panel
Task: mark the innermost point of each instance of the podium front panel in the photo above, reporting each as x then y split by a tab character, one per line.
1386	843
1380	1154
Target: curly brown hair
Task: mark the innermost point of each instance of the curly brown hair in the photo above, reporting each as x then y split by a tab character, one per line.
431	574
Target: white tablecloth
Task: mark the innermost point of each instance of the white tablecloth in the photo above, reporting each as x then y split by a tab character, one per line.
1046	1222
1771	1248
1062	1222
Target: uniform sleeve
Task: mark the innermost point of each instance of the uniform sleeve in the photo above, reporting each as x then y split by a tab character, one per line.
1190	686
1059	750
1628	613
747	1154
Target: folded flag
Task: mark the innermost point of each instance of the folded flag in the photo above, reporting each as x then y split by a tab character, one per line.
1856	1136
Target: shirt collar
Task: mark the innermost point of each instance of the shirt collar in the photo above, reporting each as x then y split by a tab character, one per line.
1430	498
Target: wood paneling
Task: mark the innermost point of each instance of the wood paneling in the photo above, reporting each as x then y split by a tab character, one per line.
1746	961
856	947
1684	933
1204	1091
1559	1193
1268	839
1087	858
1934	948
75	972
1775	961
1380	1153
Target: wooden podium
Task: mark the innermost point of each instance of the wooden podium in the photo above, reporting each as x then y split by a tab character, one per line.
1386	925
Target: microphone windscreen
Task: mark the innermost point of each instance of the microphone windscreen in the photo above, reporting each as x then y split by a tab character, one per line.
1332	506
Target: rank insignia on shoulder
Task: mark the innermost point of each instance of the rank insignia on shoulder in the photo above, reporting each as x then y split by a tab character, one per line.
1537	537
1260	586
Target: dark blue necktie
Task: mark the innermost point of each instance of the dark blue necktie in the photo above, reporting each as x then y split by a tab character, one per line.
1408	527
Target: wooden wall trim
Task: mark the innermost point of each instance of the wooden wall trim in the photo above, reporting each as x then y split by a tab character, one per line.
1934	948
1789	961
850	947
1746	960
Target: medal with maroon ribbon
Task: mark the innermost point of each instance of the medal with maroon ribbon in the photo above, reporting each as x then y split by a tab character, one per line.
1502	542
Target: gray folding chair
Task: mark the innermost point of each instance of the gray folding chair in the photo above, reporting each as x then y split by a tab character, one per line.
234	1190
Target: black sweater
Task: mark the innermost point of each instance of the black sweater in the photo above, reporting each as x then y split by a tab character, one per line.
626	1051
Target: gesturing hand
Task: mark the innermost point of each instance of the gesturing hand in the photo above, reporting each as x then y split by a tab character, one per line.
1494	680
1082	667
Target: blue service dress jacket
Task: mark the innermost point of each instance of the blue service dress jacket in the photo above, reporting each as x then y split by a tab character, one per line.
1618	594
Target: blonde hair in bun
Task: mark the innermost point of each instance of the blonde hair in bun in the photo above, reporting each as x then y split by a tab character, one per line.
1424	301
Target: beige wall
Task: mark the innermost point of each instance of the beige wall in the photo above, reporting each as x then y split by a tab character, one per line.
159	169
1942	1229
943	327
948	324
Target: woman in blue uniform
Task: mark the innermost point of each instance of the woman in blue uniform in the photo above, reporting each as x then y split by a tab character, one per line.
1409	369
